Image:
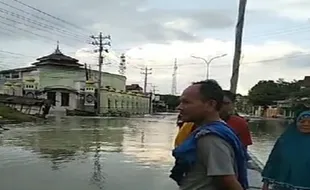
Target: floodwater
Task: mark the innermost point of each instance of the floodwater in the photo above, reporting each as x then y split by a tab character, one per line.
73	153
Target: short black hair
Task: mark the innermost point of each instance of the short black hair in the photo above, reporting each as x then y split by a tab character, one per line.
230	95
211	90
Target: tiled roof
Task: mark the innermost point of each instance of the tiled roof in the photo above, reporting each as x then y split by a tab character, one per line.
57	56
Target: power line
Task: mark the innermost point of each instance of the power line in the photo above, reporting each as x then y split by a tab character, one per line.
47	14
12	53
27	25
164	66
40	18
36	23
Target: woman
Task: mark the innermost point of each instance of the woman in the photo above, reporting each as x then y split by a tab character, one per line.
288	165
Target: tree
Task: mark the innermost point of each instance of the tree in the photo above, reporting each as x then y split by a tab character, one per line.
170	100
266	93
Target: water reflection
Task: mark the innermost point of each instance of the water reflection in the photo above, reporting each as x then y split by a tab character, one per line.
93	148
264	134
98	175
92	153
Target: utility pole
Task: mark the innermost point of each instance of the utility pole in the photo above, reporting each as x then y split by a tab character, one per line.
146	72
98	41
238	46
154	90
174	78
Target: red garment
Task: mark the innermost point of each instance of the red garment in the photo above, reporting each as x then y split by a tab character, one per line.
241	128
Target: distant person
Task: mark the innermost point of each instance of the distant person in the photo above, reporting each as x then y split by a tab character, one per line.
237	123
288	165
212	157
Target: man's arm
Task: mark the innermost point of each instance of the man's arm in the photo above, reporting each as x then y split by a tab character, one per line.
218	159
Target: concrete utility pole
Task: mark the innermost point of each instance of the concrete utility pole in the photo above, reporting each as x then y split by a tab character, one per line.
174	78
208	62
146	72
98	41
238	46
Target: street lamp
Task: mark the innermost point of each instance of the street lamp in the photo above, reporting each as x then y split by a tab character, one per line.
207	62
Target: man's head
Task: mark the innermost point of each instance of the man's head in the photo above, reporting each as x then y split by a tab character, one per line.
201	101
228	104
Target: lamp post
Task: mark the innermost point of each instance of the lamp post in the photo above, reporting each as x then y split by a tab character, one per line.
208	62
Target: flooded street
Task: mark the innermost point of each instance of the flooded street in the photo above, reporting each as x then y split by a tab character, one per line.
72	153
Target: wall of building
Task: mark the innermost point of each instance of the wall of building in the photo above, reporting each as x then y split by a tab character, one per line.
50	76
113	80
58	104
124	102
59	76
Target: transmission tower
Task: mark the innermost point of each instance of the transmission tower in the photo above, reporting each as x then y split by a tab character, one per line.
174	78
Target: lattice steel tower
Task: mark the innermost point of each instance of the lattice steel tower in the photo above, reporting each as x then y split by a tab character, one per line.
174	78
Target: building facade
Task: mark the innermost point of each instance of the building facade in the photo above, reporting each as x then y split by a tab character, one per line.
62	79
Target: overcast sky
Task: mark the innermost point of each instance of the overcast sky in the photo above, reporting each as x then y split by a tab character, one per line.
154	32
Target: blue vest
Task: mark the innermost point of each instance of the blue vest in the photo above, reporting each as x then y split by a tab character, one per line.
186	154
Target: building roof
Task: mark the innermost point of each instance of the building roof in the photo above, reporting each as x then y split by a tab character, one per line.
133	87
57	58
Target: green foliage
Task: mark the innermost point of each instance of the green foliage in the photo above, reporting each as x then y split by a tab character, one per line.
170	100
267	92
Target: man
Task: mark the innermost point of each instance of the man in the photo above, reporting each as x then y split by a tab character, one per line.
237	123
216	165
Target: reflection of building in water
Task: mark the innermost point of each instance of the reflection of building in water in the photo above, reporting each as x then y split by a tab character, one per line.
73	137
150	142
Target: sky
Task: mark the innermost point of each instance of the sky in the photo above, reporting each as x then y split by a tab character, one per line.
156	33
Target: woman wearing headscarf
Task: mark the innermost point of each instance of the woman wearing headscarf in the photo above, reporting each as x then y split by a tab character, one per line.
288	165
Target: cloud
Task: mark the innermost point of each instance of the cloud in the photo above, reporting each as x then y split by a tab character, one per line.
155	36
124	20
269	60
293	9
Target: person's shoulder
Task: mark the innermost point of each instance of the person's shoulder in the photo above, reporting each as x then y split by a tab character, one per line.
238	119
211	140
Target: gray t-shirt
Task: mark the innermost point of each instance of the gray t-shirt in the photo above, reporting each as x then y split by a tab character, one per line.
215	158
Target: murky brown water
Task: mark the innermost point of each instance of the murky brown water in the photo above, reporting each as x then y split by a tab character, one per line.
92	153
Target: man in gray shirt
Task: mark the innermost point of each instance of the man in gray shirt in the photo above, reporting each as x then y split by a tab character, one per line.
216	167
